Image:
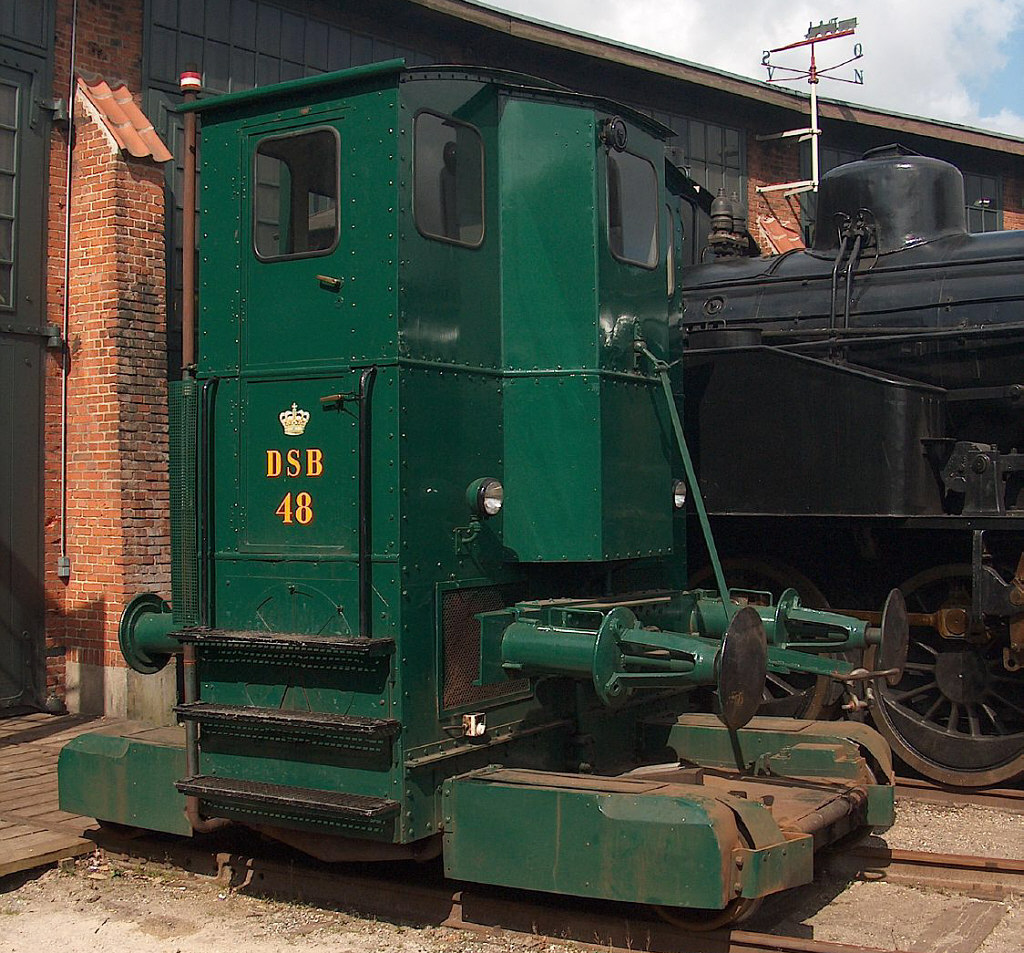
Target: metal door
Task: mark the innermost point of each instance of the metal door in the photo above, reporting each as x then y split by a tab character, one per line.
316	310
23	130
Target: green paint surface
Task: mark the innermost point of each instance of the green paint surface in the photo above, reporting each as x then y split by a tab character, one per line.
127	779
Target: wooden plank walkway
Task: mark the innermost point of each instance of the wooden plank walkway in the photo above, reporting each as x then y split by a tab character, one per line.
34	831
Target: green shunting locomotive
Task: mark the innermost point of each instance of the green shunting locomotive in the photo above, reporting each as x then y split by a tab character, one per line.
428	495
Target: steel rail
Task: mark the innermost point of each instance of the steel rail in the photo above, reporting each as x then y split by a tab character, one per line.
1010	800
985	878
418	894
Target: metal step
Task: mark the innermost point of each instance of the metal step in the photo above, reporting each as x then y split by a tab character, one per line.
302	802
298	721
348	644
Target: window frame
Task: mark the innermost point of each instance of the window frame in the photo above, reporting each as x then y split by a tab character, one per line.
292	134
15	173
445	239
646	265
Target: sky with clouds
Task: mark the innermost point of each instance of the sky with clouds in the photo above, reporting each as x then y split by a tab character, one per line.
960	61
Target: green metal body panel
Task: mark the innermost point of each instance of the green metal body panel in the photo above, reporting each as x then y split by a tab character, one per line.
590	837
625	839
586	466
449	294
549	219
125	775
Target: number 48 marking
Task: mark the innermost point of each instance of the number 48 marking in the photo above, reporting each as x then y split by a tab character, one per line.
301	513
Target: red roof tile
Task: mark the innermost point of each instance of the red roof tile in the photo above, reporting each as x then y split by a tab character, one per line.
128	124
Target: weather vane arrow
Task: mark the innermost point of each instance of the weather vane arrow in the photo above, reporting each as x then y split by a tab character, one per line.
826	30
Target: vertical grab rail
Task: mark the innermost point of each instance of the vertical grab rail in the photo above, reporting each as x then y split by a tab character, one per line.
203	534
366	379
662	369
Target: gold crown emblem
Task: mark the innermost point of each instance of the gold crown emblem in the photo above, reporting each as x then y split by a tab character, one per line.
294	421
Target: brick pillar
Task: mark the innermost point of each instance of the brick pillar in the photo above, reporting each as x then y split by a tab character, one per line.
770	163
117	490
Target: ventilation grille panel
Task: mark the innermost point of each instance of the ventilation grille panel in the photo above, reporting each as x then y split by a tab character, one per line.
461	633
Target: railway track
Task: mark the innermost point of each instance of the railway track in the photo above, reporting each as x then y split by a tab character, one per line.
418	894
1010	800
985	878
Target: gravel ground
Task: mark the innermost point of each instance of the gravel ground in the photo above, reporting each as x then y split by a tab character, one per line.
100	905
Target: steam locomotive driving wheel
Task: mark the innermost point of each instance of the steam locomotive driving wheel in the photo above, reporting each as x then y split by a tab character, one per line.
956	715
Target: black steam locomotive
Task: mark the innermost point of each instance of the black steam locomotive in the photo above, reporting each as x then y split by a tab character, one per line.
857	409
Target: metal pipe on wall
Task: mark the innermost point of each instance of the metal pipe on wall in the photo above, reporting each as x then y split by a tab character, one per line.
63	560
190	82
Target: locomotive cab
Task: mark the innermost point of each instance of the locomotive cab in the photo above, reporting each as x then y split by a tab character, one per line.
428	538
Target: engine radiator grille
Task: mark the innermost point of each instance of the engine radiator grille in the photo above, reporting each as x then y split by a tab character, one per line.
461	634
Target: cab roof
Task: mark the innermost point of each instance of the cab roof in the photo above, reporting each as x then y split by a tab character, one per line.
518	83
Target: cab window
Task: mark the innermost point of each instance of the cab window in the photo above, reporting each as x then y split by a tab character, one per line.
448	180
296	195
632	209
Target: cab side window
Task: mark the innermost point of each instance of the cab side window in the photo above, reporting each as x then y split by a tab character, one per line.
632	209
448	180
296	195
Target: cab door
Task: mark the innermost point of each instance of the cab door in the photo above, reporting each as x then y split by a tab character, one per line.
316	311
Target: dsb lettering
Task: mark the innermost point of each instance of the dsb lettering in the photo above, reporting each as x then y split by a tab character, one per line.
294	463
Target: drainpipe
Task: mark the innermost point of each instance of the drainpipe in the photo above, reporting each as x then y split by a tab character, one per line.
191	82
63	560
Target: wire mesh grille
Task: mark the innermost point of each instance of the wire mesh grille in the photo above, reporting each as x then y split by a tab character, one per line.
461	633
183	403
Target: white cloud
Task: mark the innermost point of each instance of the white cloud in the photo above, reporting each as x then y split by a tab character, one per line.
922	57
1006	120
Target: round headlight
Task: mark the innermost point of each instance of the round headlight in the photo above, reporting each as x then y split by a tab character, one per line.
678	494
492	496
485	497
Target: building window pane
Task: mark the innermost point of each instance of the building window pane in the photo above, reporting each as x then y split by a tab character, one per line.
982	197
8	188
632	209
448	180
296	207
713	156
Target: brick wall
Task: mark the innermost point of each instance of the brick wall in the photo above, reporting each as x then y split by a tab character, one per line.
771	163
117	498
1013	200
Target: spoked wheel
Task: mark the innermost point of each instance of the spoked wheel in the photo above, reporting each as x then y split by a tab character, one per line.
796	695
699	920
957	715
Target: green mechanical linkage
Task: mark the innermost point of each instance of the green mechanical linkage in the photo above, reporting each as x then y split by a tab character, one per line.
682	640
610	647
801	639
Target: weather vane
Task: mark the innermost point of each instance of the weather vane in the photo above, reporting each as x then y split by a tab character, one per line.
825	30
